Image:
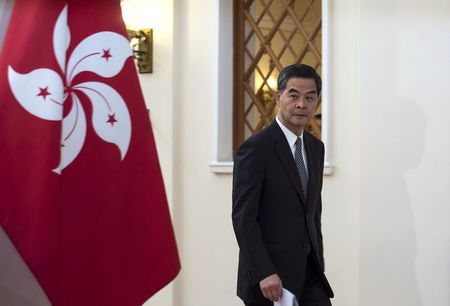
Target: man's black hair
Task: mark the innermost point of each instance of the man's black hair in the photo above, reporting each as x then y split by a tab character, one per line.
299	71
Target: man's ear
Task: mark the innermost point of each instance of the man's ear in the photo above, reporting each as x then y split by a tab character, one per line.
277	97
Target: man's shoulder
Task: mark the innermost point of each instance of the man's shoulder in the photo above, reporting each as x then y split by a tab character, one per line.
260	139
252	154
308	137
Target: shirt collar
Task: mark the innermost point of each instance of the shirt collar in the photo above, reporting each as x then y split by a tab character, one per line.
290	137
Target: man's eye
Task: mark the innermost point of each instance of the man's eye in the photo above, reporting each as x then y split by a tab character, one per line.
293	96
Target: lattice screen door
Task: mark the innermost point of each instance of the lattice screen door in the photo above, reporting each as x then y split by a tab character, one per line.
269	35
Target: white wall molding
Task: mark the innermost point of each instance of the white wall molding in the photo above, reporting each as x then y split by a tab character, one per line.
227	168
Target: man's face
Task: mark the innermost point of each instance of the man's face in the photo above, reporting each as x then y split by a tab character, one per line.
297	103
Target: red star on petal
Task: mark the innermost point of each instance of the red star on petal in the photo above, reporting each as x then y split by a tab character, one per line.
43	92
106	54
112	119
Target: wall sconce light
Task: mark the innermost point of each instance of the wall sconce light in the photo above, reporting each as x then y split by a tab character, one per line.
142	45
136	17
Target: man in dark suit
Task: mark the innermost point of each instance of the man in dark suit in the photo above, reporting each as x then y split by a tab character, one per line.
277	206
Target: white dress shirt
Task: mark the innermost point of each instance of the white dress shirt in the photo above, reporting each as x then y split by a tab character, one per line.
291	139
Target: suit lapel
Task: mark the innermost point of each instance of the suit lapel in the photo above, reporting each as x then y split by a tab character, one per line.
287	160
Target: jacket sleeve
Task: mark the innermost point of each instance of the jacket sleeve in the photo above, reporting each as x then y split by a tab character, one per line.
318	216
318	224
248	182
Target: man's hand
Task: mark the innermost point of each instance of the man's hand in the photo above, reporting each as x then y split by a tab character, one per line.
271	287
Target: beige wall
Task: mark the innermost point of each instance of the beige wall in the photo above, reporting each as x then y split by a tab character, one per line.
386	207
340	217
202	200
404	71
159	94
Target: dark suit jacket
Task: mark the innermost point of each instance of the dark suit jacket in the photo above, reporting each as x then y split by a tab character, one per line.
271	218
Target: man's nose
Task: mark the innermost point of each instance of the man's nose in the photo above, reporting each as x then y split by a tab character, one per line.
301	103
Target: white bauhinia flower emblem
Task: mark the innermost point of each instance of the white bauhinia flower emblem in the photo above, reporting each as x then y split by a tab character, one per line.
42	92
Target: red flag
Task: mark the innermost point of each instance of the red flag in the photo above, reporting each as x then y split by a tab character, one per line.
81	193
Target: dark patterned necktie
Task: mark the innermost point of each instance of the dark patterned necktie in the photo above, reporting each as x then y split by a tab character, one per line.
301	166
303	178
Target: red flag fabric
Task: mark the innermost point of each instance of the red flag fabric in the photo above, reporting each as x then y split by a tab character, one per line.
81	193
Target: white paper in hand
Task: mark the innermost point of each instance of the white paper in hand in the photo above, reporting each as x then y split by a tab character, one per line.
287	299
